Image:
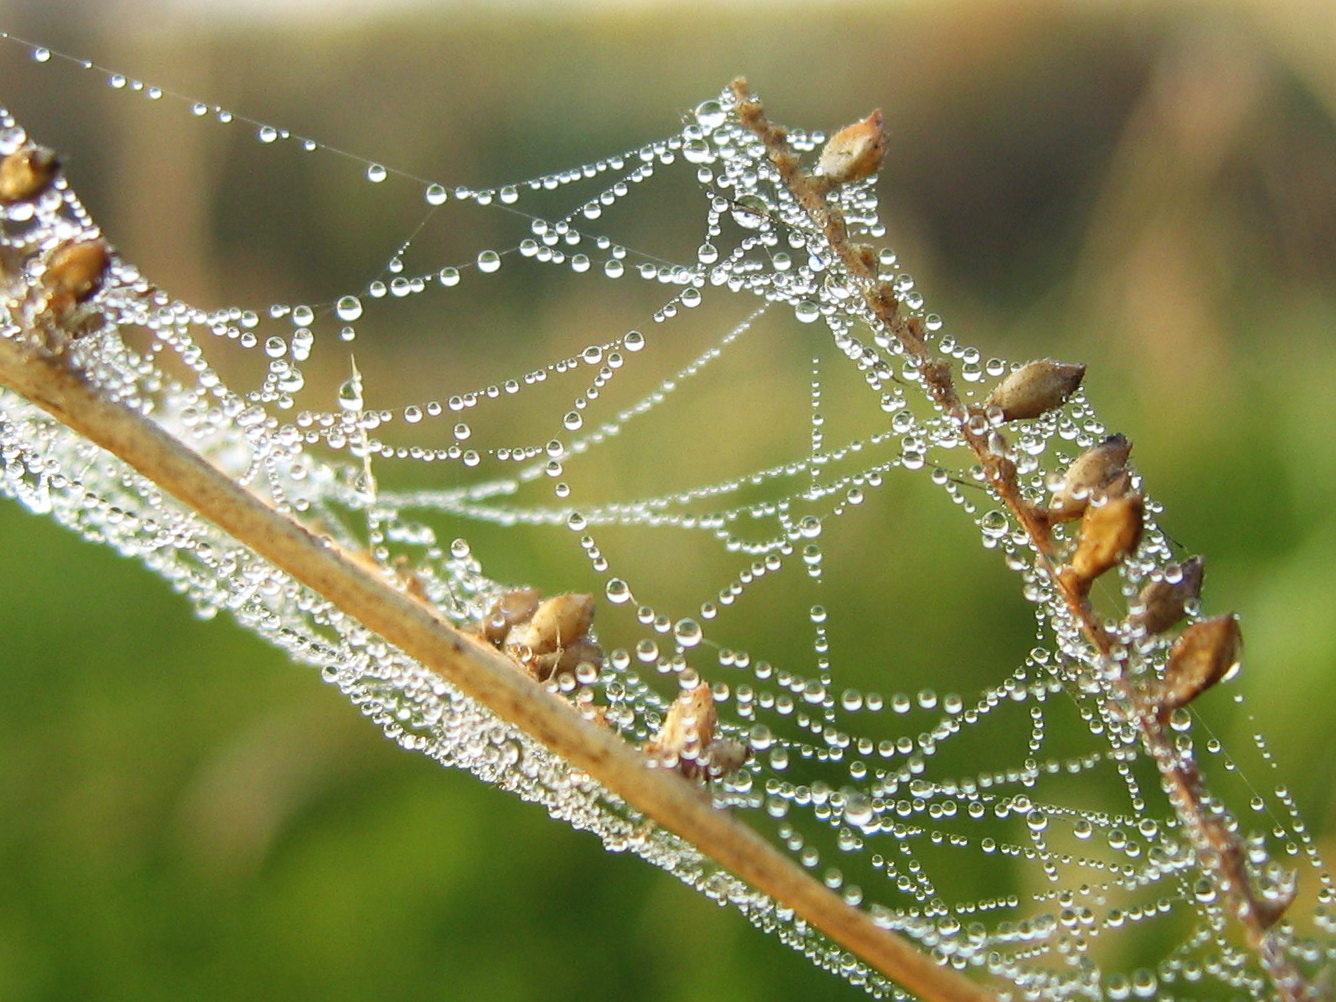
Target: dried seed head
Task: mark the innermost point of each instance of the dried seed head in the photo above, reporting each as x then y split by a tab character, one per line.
1203	654
1109	532
1096	470
26	173
684	739
1035	388
75	271
853	153
726	756
556	623
566	660
1163	600
508	611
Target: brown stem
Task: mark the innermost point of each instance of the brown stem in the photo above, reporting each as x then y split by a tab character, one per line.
473	667
1220	852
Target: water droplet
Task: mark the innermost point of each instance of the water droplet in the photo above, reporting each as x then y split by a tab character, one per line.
633	341
375	173
697	151
267	134
448	277
460	549
750	212
348	308
994	524
710	115
489	261
275	347
618	591
687	632
806	311
435	194
350	394
41	55
302	316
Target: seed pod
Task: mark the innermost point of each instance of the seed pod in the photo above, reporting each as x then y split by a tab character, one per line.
683	740
1035	388
1203	654
556	623
725	756
853	153
566	660
1163	600
75	271
1097	469
508	611
1109	532
26	173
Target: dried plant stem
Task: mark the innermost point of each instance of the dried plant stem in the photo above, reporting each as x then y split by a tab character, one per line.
476	669
1219	851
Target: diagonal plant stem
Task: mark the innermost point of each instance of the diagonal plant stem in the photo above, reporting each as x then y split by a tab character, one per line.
483	673
1220	853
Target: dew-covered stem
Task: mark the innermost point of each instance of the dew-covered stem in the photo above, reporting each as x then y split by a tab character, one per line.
1220	853
478	670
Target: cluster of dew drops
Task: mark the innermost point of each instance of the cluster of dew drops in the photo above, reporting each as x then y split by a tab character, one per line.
756	244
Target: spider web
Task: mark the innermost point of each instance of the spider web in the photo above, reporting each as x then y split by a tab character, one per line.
1010	826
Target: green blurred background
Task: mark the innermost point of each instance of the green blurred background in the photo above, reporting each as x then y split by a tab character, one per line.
1149	188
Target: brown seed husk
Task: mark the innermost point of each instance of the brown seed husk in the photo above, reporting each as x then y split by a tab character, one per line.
75	271
26	173
1096	470
1035	388
1109	532
683	740
1203	654
556	623
853	153
508	611
1162	602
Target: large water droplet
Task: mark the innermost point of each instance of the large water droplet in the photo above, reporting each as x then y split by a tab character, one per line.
348	308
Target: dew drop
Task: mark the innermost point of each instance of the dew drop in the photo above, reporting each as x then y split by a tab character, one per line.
710	115
618	591
448	277
375	173
41	55
267	134
687	632
348	308
633	341
806	311
460	549
489	261
435	194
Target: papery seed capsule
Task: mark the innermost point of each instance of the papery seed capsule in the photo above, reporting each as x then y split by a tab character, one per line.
1163	602
508	611
1203	654
1109	532
75	271
1035	388
26	173
556	623
568	659
1096	470
683	740
853	153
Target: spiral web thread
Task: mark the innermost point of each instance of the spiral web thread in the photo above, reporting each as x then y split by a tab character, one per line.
850	782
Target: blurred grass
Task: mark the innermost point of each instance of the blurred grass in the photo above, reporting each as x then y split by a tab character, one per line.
1149	188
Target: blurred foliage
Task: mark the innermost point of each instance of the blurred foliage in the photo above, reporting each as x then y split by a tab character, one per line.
1148	188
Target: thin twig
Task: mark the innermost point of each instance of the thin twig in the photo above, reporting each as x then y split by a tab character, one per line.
476	669
1219	850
